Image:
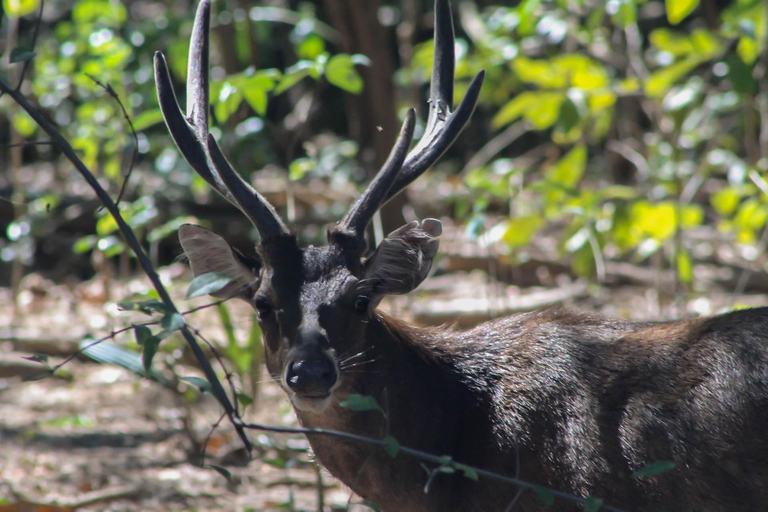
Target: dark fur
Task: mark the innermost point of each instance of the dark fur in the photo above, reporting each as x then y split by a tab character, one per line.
577	401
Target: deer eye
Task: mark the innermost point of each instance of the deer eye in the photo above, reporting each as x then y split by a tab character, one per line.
361	304
262	306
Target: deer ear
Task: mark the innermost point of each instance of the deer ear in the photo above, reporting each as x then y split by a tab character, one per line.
208	252
403	259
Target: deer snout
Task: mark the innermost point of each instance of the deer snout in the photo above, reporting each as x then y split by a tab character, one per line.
312	380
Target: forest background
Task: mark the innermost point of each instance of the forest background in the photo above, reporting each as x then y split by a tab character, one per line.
617	160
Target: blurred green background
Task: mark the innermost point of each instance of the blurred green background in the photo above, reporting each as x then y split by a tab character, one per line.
619	130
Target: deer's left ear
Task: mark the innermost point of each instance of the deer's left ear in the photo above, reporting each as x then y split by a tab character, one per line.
402	260
208	252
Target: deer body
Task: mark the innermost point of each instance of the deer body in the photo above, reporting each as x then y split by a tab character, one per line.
583	400
565	400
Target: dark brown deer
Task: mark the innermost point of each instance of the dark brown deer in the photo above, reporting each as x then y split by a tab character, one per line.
566	400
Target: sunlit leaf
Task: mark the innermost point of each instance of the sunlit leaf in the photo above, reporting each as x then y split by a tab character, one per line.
725	200
570	168
677	10
684	267
340	71
748	49
513	109
18	8
662	79
674	43
544	111
147	118
519	231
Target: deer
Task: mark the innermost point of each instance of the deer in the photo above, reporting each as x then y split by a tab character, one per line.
567	400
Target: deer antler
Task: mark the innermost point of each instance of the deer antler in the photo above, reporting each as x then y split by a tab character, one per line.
191	134
443	126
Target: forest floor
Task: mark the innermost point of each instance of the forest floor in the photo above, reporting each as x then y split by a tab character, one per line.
97	437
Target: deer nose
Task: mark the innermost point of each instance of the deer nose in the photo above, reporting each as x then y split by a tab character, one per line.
311	377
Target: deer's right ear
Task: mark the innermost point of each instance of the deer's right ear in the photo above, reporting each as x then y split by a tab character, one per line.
403	259
208	252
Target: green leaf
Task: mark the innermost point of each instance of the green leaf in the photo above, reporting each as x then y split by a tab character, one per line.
222	471
17	8
468	471
151	305
200	383
725	200
340	71
684	267
677	10
244	399
748	50
148	352
355	402
392	446
209	283
84	244
147	118
295	74
37	358
740	75
24	124
519	231
544	110
544	494
659	82
142	334
172	322
674	43
513	109
570	168
592	504
229	99
20	54
37	376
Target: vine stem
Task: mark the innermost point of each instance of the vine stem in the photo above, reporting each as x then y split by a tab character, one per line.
440	460
60	142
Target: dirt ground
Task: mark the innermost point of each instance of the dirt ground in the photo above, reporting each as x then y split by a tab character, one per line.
97	437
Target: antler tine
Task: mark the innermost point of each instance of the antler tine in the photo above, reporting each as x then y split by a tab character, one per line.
443	126
358	217
191	132
198	82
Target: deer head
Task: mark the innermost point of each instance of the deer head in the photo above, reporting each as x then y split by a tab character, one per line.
313	303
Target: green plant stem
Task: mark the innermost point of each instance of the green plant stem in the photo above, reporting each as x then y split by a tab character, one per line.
59	141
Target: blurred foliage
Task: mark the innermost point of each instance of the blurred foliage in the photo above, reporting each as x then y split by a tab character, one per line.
641	120
673	89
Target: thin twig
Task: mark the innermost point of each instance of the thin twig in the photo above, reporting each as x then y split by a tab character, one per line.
59	141
27	62
28	143
110	91
417	454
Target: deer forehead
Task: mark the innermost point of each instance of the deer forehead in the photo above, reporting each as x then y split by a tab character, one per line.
322	277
